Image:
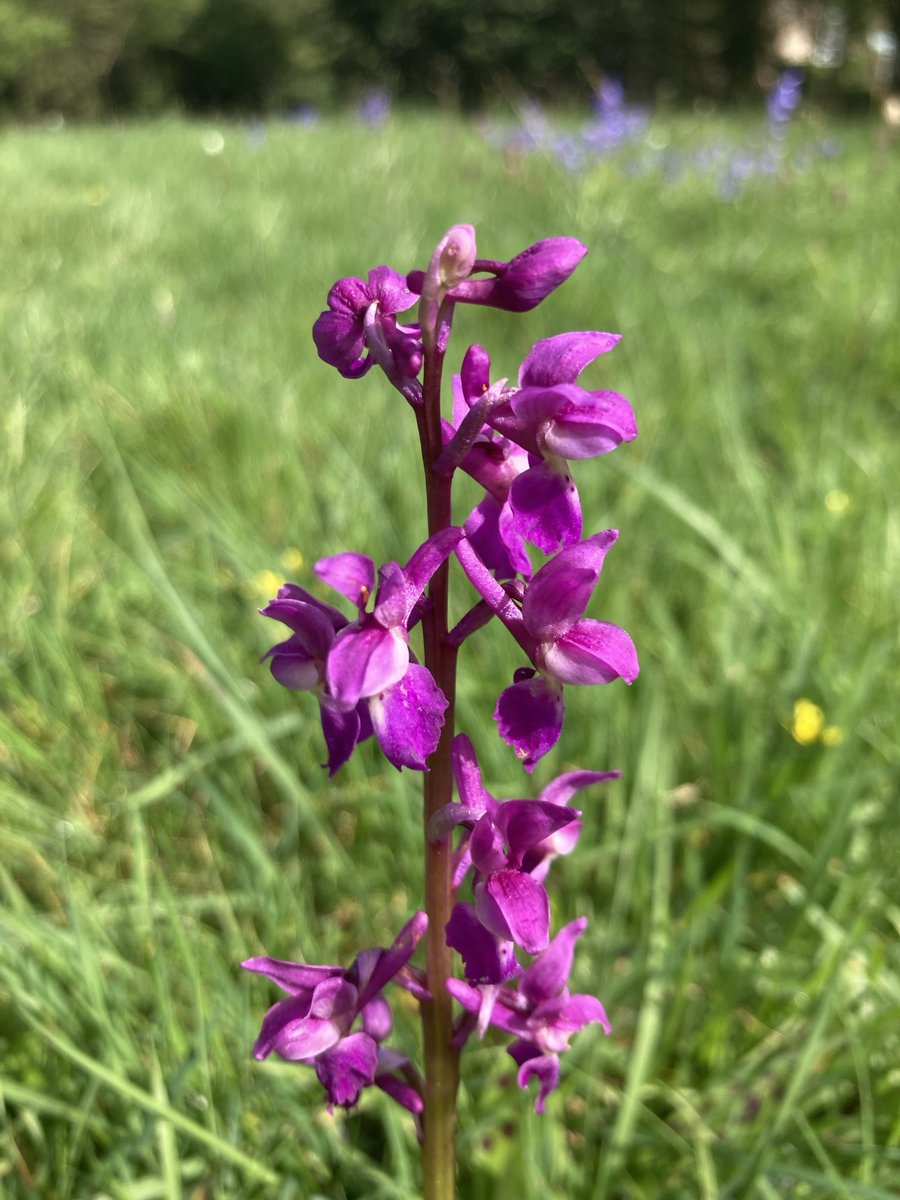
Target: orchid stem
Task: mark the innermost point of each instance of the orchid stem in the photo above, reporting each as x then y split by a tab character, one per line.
441	1059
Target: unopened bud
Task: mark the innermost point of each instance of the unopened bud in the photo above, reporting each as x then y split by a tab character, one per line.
455	255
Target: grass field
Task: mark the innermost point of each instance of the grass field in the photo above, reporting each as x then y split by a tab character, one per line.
170	441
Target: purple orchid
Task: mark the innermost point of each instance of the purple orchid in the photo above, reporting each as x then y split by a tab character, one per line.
360	327
540	1014
362	672
564	647
506	836
299	664
315	1024
370	659
516	442
554	419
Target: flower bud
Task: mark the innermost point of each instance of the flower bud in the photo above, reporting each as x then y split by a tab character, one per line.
532	275
455	255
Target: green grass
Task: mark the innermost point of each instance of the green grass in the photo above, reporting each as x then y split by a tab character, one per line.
168	434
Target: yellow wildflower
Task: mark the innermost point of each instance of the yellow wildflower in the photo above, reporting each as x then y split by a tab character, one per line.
832	735
807	722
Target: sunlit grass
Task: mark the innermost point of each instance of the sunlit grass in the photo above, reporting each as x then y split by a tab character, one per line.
172	446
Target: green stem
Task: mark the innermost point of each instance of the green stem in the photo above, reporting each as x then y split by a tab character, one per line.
441	1060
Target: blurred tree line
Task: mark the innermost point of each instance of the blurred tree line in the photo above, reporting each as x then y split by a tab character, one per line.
89	57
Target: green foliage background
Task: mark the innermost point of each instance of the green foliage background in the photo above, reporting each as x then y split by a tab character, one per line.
168	434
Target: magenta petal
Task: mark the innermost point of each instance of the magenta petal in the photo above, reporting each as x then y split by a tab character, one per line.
339	341
342	731
599	423
428	558
492	531
364	660
313	626
353	575
400	588
377	1020
390	290
530	716
292	665
487	846
290	1031
548	975
559	593
561	789
294	978
408	717
393	602
593	652
486	958
525	823
348	296
544	1068
561	359
382	965
513	905
545	507
581	1010
293	591
467	773
475	374
404	1093
347	1068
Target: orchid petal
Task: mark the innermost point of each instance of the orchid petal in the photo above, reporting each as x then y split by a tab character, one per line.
545	507
353	575
561	789
592	652
296	979
544	1068
529	715
345	1069
310	624
408	717
365	659
487	846
514	906
390	290
492	530
580	1010
292	665
526	823
560	591
561	359
377	1020
548	975
485	958
293	591
467	773
400	588
388	962
596	426
290	1031
342	731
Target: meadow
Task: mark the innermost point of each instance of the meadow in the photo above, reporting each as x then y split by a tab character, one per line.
172	449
